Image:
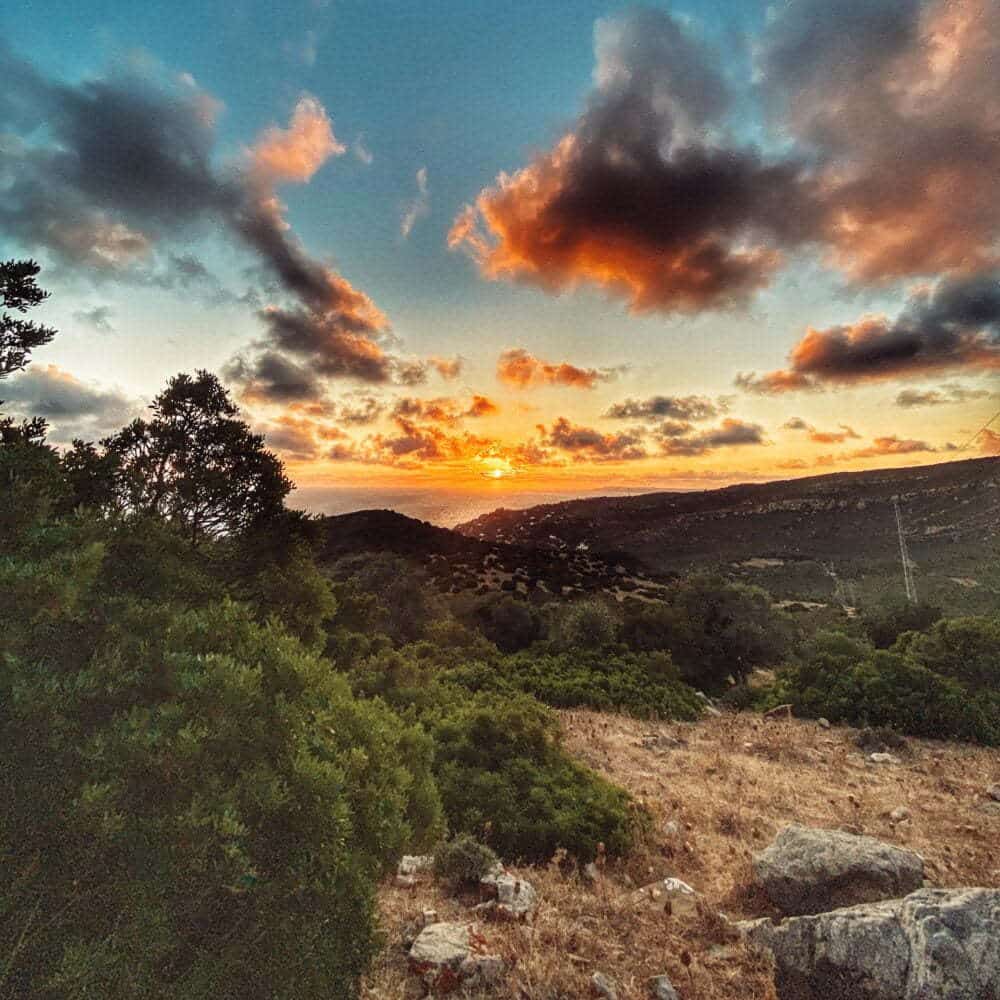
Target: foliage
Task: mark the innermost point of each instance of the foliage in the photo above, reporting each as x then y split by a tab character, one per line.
504	777
586	625
715	630
884	627
967	649
846	679
463	861
510	624
19	337
194	464
200	782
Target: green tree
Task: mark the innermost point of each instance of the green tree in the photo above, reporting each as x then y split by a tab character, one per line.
885	626
967	649
196	464
19	337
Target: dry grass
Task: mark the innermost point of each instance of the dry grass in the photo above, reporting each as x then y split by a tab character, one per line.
735	782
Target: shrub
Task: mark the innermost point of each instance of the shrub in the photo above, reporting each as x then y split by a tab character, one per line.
180	786
845	679
885	626
587	625
463	861
504	777
967	649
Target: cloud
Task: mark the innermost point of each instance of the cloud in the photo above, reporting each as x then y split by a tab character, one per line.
674	407
444	409
953	325
518	368
362	410
447	368
125	165
949	392
585	443
730	433
821	437
297	152
418	207
892	445
481	406
72	408
898	103
645	197
270	377
361	152
98	317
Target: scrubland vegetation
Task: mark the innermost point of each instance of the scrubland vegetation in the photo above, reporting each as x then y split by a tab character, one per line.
215	745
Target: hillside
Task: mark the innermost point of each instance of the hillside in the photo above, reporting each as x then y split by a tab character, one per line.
822	538
719	790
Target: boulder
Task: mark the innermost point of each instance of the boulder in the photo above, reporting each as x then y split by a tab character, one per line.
670	894
808	871
936	944
882	758
411	865
511	898
446	956
603	986
661	988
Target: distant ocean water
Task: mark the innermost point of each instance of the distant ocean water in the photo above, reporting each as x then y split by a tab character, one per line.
442	507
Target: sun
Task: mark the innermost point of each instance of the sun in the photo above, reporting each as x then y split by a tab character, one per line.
496	474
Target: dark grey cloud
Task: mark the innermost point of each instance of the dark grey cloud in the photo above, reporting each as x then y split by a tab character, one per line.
646	197
125	166
271	377
71	407
98	317
949	392
730	433
673	407
586	443
954	325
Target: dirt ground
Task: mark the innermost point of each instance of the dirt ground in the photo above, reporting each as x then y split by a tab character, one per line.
719	790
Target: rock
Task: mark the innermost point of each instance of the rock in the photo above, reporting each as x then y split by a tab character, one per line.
660	988
405	882
899	814
412	865
670	894
447	955
882	758
671	828
591	873
603	986
809	871
994	792
879	739
512	898
823	723
936	944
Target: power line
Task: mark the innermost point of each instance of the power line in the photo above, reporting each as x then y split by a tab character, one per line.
980	431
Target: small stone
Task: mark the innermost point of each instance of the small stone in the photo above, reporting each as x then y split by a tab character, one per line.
899	814
515	898
591	873
671	828
882	758
661	988
415	864
670	894
994	792
405	882
823	723
603	986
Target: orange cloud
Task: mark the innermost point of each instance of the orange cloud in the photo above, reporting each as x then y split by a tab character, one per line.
990	442
296	153
821	437
447	368
518	368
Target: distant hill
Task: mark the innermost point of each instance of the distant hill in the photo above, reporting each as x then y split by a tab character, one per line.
825	538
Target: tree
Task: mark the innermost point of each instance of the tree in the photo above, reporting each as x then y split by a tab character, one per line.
196	464
19	337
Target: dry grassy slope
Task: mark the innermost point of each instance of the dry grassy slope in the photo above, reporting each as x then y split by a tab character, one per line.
735	784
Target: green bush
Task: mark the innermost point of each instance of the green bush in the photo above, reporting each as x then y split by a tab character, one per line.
463	861
586	625
885	626
967	649
845	679
504	778
193	804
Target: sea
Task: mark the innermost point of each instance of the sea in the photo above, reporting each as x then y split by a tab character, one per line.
442	507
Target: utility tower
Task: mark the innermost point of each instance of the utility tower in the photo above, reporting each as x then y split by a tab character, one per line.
904	555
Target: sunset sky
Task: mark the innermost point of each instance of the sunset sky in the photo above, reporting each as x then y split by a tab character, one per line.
517	245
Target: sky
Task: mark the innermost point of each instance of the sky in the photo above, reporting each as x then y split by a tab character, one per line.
498	248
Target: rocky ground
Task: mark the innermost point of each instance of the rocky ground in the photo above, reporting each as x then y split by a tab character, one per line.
720	792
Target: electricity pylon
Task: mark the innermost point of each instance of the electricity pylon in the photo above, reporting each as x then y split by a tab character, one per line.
904	555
